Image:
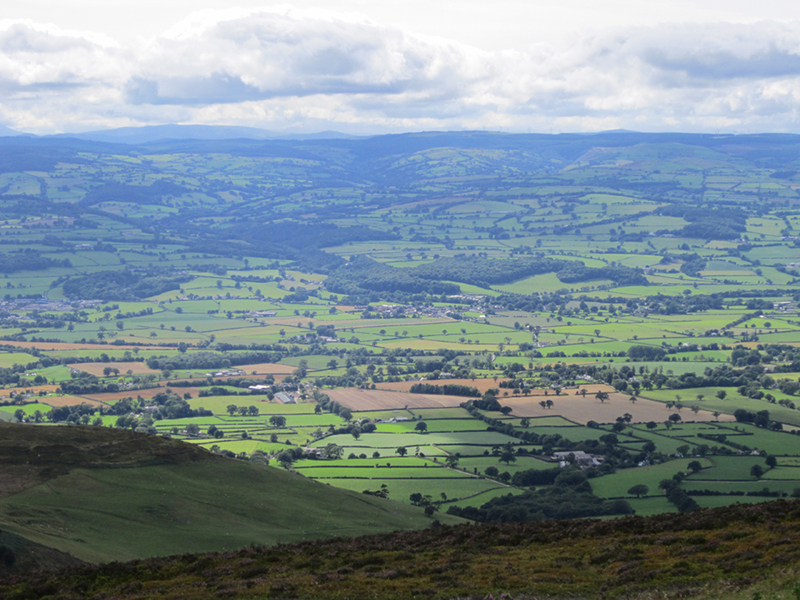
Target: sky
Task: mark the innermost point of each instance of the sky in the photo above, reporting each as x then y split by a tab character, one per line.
371	66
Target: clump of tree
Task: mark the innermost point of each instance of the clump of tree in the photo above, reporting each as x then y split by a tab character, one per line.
448	389
570	496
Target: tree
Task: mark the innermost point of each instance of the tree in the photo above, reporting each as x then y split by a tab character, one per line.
756	471
402	451
675	417
277	420
232	408
525	423
772	462
721	394
451	461
549	403
602	396
19	415
508	457
491	471
333	451
695	466
253	411
421	426
652	424
639	490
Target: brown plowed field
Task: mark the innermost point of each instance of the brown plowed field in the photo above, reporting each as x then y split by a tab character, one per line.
481	384
148	393
356	399
582	410
96	368
56	401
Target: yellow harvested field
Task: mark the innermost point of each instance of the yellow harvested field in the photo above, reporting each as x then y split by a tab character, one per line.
28	390
359	400
76	346
582	410
482	384
267	369
96	368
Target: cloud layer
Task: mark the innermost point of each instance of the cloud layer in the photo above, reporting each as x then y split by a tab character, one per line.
301	70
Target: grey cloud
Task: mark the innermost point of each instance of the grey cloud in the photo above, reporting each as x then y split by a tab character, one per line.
268	55
278	70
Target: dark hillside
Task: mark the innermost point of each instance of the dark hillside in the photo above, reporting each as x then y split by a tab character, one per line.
709	552
32	455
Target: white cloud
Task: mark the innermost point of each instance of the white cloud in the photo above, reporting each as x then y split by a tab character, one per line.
283	68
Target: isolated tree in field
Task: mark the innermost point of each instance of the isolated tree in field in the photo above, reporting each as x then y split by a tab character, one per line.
772	462
700	397
508	457
525	423
491	471
633	399
19	415
695	466
277	420
421	426
402	451
543	404
756	471
652	425
639	490
549	403
333	451
231	408
355	432
451	461
583	392
602	396
721	394
717	414
675	417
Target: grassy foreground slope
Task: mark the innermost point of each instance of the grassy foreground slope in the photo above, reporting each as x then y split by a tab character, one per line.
166	497
711	553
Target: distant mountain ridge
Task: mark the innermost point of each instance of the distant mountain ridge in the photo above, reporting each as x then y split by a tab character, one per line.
155	133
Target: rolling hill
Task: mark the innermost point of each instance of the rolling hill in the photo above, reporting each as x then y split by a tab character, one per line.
101	494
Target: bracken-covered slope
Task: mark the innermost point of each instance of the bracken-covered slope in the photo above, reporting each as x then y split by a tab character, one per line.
709	553
101	494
